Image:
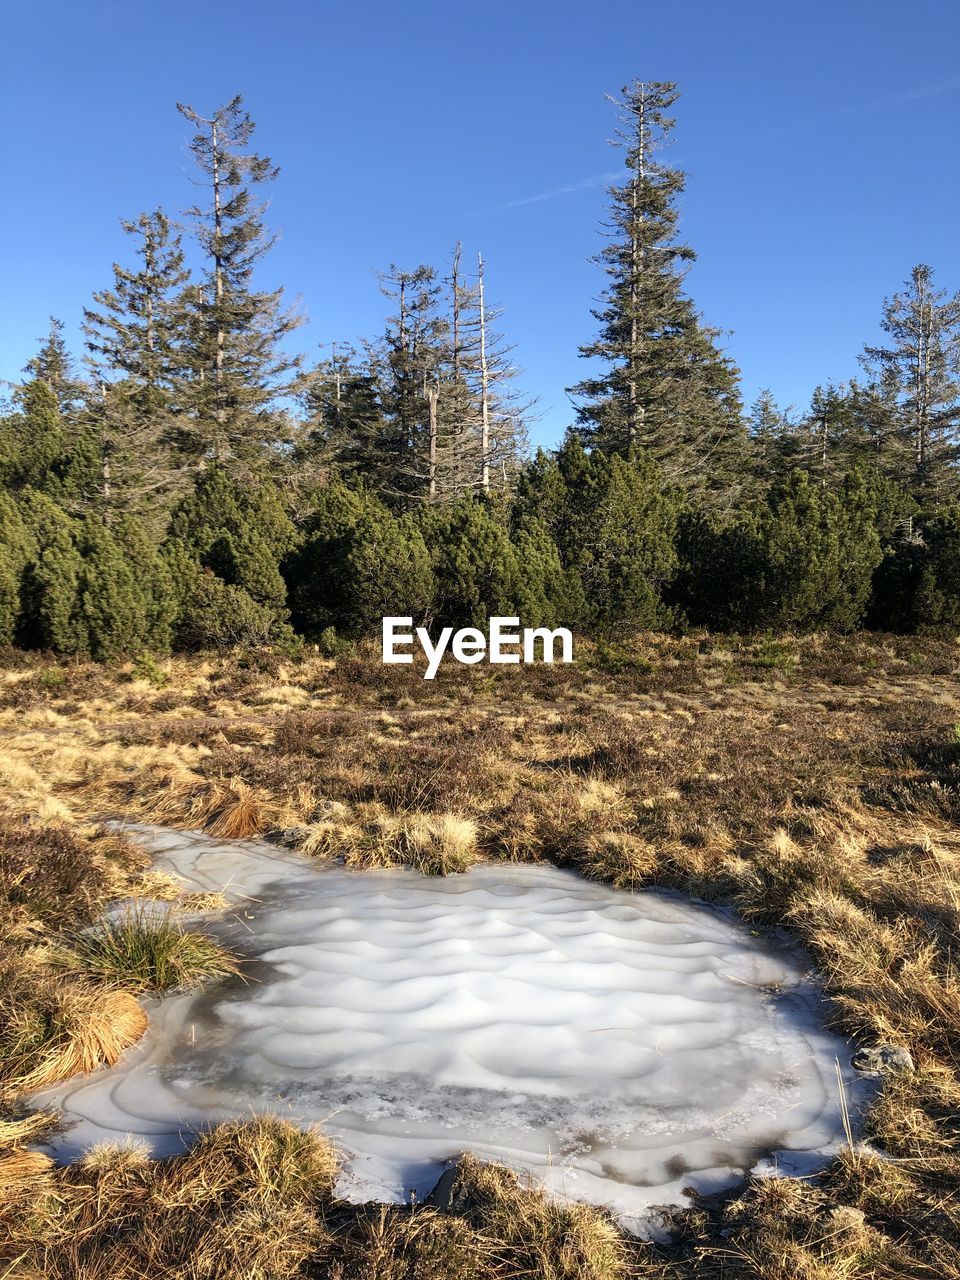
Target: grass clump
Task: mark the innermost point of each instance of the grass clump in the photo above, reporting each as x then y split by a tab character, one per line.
533	1236
244	1204
142	949
53	1027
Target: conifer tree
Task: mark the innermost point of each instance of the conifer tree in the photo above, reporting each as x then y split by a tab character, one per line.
46	453
109	601
614	526
475	565
921	363
50	616
411	358
134	343
663	384
770	434
236	366
53	366
241	533
344	424
16	550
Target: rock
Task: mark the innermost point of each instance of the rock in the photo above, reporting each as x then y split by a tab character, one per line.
883	1059
290	837
444	1195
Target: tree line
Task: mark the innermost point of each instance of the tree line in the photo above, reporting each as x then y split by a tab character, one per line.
194	484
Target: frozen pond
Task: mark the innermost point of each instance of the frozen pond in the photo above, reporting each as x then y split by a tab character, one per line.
620	1047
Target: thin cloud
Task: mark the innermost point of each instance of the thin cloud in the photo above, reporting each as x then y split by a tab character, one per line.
584	184
860	110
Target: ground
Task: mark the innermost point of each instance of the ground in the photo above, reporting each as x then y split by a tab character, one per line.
812	783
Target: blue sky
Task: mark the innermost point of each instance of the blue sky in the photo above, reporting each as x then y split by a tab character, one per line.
820	141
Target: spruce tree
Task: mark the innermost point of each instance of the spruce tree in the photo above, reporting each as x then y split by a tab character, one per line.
134	339
344	424
235	364
53	366
663	384
410	359
921	364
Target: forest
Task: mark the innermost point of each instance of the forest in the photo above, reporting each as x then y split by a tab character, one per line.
187	482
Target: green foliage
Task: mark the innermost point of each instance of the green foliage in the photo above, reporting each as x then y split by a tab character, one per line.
15	553
614	527
240	532
50	615
145	668
664	385
156	596
819	553
358	563
476	570
919	584
109	598
217	615
143	950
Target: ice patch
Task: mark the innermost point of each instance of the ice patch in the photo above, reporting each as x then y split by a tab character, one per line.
619	1047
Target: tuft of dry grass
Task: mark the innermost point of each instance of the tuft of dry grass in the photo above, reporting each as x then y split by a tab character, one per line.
233	811
530	1234
53	1029
243	1204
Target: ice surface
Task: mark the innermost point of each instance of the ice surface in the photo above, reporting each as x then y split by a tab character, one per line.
619	1047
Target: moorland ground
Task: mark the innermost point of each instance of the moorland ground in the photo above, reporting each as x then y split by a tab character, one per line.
811	783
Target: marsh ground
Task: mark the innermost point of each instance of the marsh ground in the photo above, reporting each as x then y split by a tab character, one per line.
812	783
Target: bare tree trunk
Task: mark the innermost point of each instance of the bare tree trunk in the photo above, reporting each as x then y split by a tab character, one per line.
218	282
484	385
433	396
634	410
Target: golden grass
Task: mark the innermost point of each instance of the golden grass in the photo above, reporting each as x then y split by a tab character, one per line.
233	811
88	1028
811	783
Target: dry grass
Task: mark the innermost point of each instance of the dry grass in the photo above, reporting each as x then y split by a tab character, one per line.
812	783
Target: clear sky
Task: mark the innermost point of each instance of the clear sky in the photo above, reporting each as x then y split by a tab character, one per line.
820	139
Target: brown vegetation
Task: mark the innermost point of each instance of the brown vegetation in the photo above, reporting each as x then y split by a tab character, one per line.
813	783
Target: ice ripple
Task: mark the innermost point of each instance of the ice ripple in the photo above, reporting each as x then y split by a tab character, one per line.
623	1048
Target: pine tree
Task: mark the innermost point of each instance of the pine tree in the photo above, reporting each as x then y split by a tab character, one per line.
157	598
45	453
50	616
344	424
53	366
663	383
614	526
385	572
819	554
921	363
16	551
236	366
475	565
134	344
239	532
109	600
313	570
